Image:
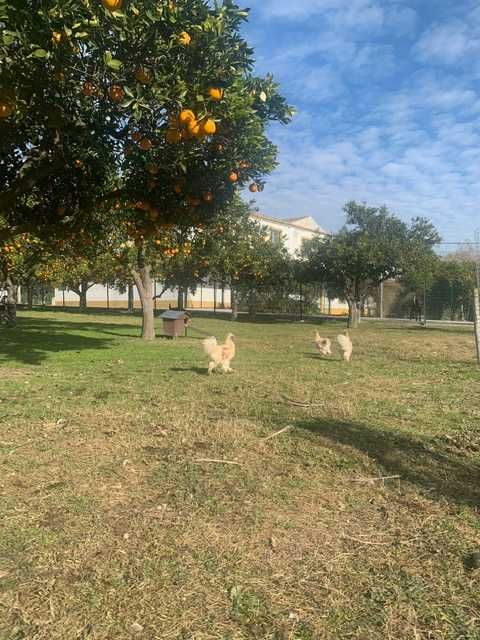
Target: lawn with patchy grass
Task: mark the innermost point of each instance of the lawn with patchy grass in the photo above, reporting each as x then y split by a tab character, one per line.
113	525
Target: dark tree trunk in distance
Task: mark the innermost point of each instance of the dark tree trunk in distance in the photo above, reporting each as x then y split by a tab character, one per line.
234	304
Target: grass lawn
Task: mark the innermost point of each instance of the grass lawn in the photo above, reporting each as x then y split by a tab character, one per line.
112	526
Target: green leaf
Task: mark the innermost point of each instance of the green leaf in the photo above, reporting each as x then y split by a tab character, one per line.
114	64
8	39
40	53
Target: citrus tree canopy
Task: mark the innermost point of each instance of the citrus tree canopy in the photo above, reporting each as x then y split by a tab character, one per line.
147	107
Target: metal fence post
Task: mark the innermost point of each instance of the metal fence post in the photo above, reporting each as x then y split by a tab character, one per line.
425	304
476	295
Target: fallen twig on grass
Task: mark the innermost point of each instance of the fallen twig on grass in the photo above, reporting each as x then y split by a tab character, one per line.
379	479
300	403
369	542
277	433
214	460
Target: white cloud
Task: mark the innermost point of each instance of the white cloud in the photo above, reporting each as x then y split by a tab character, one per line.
448	43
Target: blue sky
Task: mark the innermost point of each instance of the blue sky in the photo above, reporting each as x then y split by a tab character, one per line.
388	111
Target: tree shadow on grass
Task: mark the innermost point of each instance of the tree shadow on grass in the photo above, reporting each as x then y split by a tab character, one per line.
32	340
203	371
439	470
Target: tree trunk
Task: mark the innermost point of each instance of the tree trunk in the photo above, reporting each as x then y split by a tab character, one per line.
252	304
234	304
144	283
222	298
83	295
353	313
29	296
11	308
131	302
180	299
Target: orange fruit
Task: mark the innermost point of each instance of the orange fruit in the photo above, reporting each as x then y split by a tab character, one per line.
158	242
116	93
215	94
253	187
88	89
177	187
136	136
185	117
232	176
6	108
113	5
143	76
184	38
244	165
78	164
59	76
145	144
209	127
193	201
194	128
57	37
152	168
208	196
173	136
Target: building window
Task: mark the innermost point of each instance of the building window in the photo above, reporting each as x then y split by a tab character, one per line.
275	236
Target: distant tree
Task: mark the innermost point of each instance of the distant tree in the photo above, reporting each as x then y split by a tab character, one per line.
18	259
372	247
240	255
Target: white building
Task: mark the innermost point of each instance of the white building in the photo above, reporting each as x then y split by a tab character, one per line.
293	231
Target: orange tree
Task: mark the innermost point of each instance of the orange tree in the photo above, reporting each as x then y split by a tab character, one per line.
77	273
142	111
238	252
18	257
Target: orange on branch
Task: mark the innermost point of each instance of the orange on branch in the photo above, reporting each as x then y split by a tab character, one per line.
88	89
136	136
173	136
233	177
6	108
185	38
253	187
57	37
113	5
208	196
185	117
145	144
116	93
215	94
178	188
194	128
209	127
143	76
152	168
